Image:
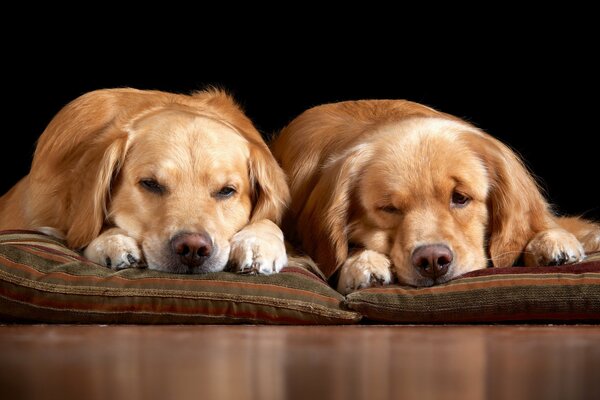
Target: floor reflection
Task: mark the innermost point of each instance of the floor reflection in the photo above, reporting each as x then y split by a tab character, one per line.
263	363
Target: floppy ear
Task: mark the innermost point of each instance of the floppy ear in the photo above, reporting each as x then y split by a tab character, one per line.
270	191
76	159
323	221
91	190
516	205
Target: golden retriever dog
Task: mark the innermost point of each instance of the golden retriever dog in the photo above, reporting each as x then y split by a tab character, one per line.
177	183
383	187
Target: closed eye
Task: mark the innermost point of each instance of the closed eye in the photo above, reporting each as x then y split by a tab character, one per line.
151	185
225	192
389	208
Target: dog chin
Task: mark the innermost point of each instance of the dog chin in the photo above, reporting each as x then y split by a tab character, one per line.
216	263
420	281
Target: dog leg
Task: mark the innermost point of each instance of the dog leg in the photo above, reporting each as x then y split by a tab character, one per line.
114	249
587	232
258	249
553	247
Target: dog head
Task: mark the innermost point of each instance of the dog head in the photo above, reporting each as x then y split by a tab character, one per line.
175	172
436	195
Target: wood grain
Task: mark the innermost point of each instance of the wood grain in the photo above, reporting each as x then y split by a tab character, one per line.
267	362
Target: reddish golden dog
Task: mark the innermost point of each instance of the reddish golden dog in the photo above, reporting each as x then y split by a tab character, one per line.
178	183
382	188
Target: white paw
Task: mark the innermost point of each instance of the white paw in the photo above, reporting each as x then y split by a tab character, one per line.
258	251
364	269
114	250
553	247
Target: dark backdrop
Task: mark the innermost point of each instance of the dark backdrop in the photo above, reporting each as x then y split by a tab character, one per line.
544	110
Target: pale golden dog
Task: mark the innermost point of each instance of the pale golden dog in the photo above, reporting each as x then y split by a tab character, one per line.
179	183
393	187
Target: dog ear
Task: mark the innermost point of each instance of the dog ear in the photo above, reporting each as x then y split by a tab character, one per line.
269	185
271	194
516	206
76	159
323	221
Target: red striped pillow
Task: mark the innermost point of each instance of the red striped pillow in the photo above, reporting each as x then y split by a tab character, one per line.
565	293
42	281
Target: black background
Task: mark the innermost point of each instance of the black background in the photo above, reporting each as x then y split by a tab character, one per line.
542	101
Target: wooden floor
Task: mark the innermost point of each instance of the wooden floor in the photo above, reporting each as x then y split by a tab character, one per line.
266	362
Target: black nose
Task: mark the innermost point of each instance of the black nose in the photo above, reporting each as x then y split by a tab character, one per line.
192	248
432	261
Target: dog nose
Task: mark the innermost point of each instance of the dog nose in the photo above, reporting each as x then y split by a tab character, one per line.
432	261
192	248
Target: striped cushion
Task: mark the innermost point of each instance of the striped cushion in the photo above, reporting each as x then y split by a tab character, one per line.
565	293
42	281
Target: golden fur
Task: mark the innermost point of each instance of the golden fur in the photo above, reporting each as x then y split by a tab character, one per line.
118	169
390	177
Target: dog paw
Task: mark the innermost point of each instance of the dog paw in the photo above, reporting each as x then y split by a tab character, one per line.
365	269
258	249
114	250
591	241
553	247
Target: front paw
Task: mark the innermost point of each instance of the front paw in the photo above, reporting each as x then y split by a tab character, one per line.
364	269
114	250
258	250
591	241
553	247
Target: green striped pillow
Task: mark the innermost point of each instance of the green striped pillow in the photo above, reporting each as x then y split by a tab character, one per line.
42	281
565	293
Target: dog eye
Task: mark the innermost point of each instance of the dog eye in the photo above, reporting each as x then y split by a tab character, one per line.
459	200
390	209
152	186
225	192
